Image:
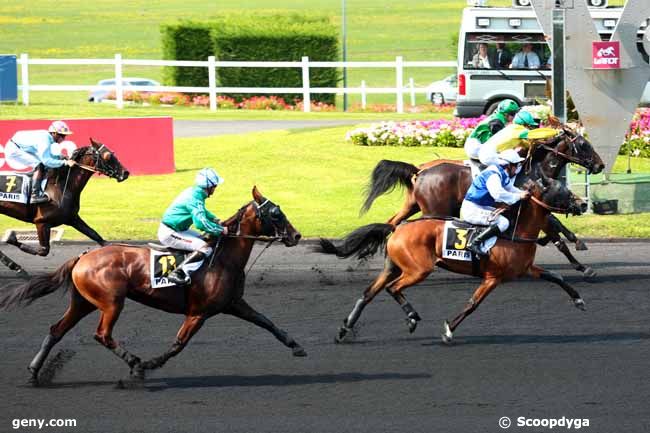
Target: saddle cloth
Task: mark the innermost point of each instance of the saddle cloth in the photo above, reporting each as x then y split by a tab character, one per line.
161	263
457	234
14	187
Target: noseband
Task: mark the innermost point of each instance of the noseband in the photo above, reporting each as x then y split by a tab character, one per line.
99	165
572	146
263	215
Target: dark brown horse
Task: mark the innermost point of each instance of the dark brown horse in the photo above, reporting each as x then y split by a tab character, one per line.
438	187
415	248
105	277
64	189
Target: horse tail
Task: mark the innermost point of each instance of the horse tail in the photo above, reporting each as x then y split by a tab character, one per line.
385	177
363	242
40	286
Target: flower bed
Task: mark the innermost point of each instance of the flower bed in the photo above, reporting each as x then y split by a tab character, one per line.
637	140
223	102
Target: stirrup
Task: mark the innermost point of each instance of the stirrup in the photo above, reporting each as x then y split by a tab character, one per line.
177	279
476	249
37	199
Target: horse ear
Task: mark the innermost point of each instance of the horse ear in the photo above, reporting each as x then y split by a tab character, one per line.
93	142
256	195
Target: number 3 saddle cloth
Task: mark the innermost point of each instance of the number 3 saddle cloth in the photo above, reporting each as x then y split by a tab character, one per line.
457	234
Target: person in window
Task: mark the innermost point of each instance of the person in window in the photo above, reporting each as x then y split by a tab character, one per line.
503	56
483	59
526	58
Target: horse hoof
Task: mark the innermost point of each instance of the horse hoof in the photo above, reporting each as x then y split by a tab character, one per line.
579	304
589	273
137	372
340	336
412	324
447	335
33	381
299	351
581	246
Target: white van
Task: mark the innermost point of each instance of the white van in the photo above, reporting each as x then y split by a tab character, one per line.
503	34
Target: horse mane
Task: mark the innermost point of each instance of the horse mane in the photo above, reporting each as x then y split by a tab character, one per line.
62	172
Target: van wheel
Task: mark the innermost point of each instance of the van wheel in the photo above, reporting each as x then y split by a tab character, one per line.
492	108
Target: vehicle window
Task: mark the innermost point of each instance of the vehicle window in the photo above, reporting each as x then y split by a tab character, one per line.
107	82
143	83
506	51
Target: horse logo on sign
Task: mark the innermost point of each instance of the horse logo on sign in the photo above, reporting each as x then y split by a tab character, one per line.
606	55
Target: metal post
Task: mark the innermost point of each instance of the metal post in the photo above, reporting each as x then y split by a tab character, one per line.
306	96
559	72
119	92
399	83
412	90
212	82
24	77
345	57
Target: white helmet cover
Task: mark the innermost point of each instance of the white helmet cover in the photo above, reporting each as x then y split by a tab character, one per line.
207	178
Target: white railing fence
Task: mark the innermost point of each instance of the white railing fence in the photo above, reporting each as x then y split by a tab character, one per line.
213	90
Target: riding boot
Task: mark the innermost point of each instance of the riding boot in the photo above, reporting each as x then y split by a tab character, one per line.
38	196
475	244
181	275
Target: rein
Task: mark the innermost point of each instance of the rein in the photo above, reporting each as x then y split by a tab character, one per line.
564	155
548	207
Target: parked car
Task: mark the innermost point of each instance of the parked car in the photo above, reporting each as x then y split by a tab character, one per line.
443	91
103	89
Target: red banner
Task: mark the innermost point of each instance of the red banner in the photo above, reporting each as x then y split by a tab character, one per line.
143	145
606	55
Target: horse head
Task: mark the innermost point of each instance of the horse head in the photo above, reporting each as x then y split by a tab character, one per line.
579	150
552	195
267	219
100	158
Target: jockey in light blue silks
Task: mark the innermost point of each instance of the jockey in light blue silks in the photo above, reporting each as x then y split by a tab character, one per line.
494	184
33	149
187	208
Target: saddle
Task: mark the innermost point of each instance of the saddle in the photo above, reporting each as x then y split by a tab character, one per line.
15	187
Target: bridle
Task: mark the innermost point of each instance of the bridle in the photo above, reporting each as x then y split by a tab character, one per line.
571	140
99	164
263	213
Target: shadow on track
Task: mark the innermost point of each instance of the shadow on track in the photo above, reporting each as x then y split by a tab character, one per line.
163	383
547	339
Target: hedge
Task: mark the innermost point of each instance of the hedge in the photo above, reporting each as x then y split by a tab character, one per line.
254	38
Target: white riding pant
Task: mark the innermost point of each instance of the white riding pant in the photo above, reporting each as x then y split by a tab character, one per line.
472	147
17	158
187	240
488	154
483	215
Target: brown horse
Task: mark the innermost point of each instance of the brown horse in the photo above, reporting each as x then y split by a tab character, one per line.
64	189
438	187
415	248
105	277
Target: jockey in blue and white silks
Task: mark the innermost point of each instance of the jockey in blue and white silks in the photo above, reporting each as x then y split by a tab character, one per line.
494	184
33	149
189	208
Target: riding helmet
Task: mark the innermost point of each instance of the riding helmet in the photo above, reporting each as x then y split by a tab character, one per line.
508	106
207	178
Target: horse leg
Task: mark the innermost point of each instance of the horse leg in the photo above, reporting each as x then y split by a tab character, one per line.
244	311
554	228
538	272
104	333
189	327
412	316
6	260
43	249
81	226
78	309
409	208
487	285
389	274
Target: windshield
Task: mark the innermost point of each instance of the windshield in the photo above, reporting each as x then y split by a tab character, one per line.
506	51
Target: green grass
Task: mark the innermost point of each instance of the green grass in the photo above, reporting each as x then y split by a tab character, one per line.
315	175
376	30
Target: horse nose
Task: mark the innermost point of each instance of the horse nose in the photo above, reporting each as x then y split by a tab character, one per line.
125	175
297	236
583	207
598	168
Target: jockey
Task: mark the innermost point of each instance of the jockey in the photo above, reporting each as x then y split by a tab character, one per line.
514	136
34	149
493	185
187	208
489	126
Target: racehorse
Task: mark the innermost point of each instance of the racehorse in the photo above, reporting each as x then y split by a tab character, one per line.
415	248
105	277
440	185
64	189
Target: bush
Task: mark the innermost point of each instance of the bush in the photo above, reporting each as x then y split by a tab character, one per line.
243	38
